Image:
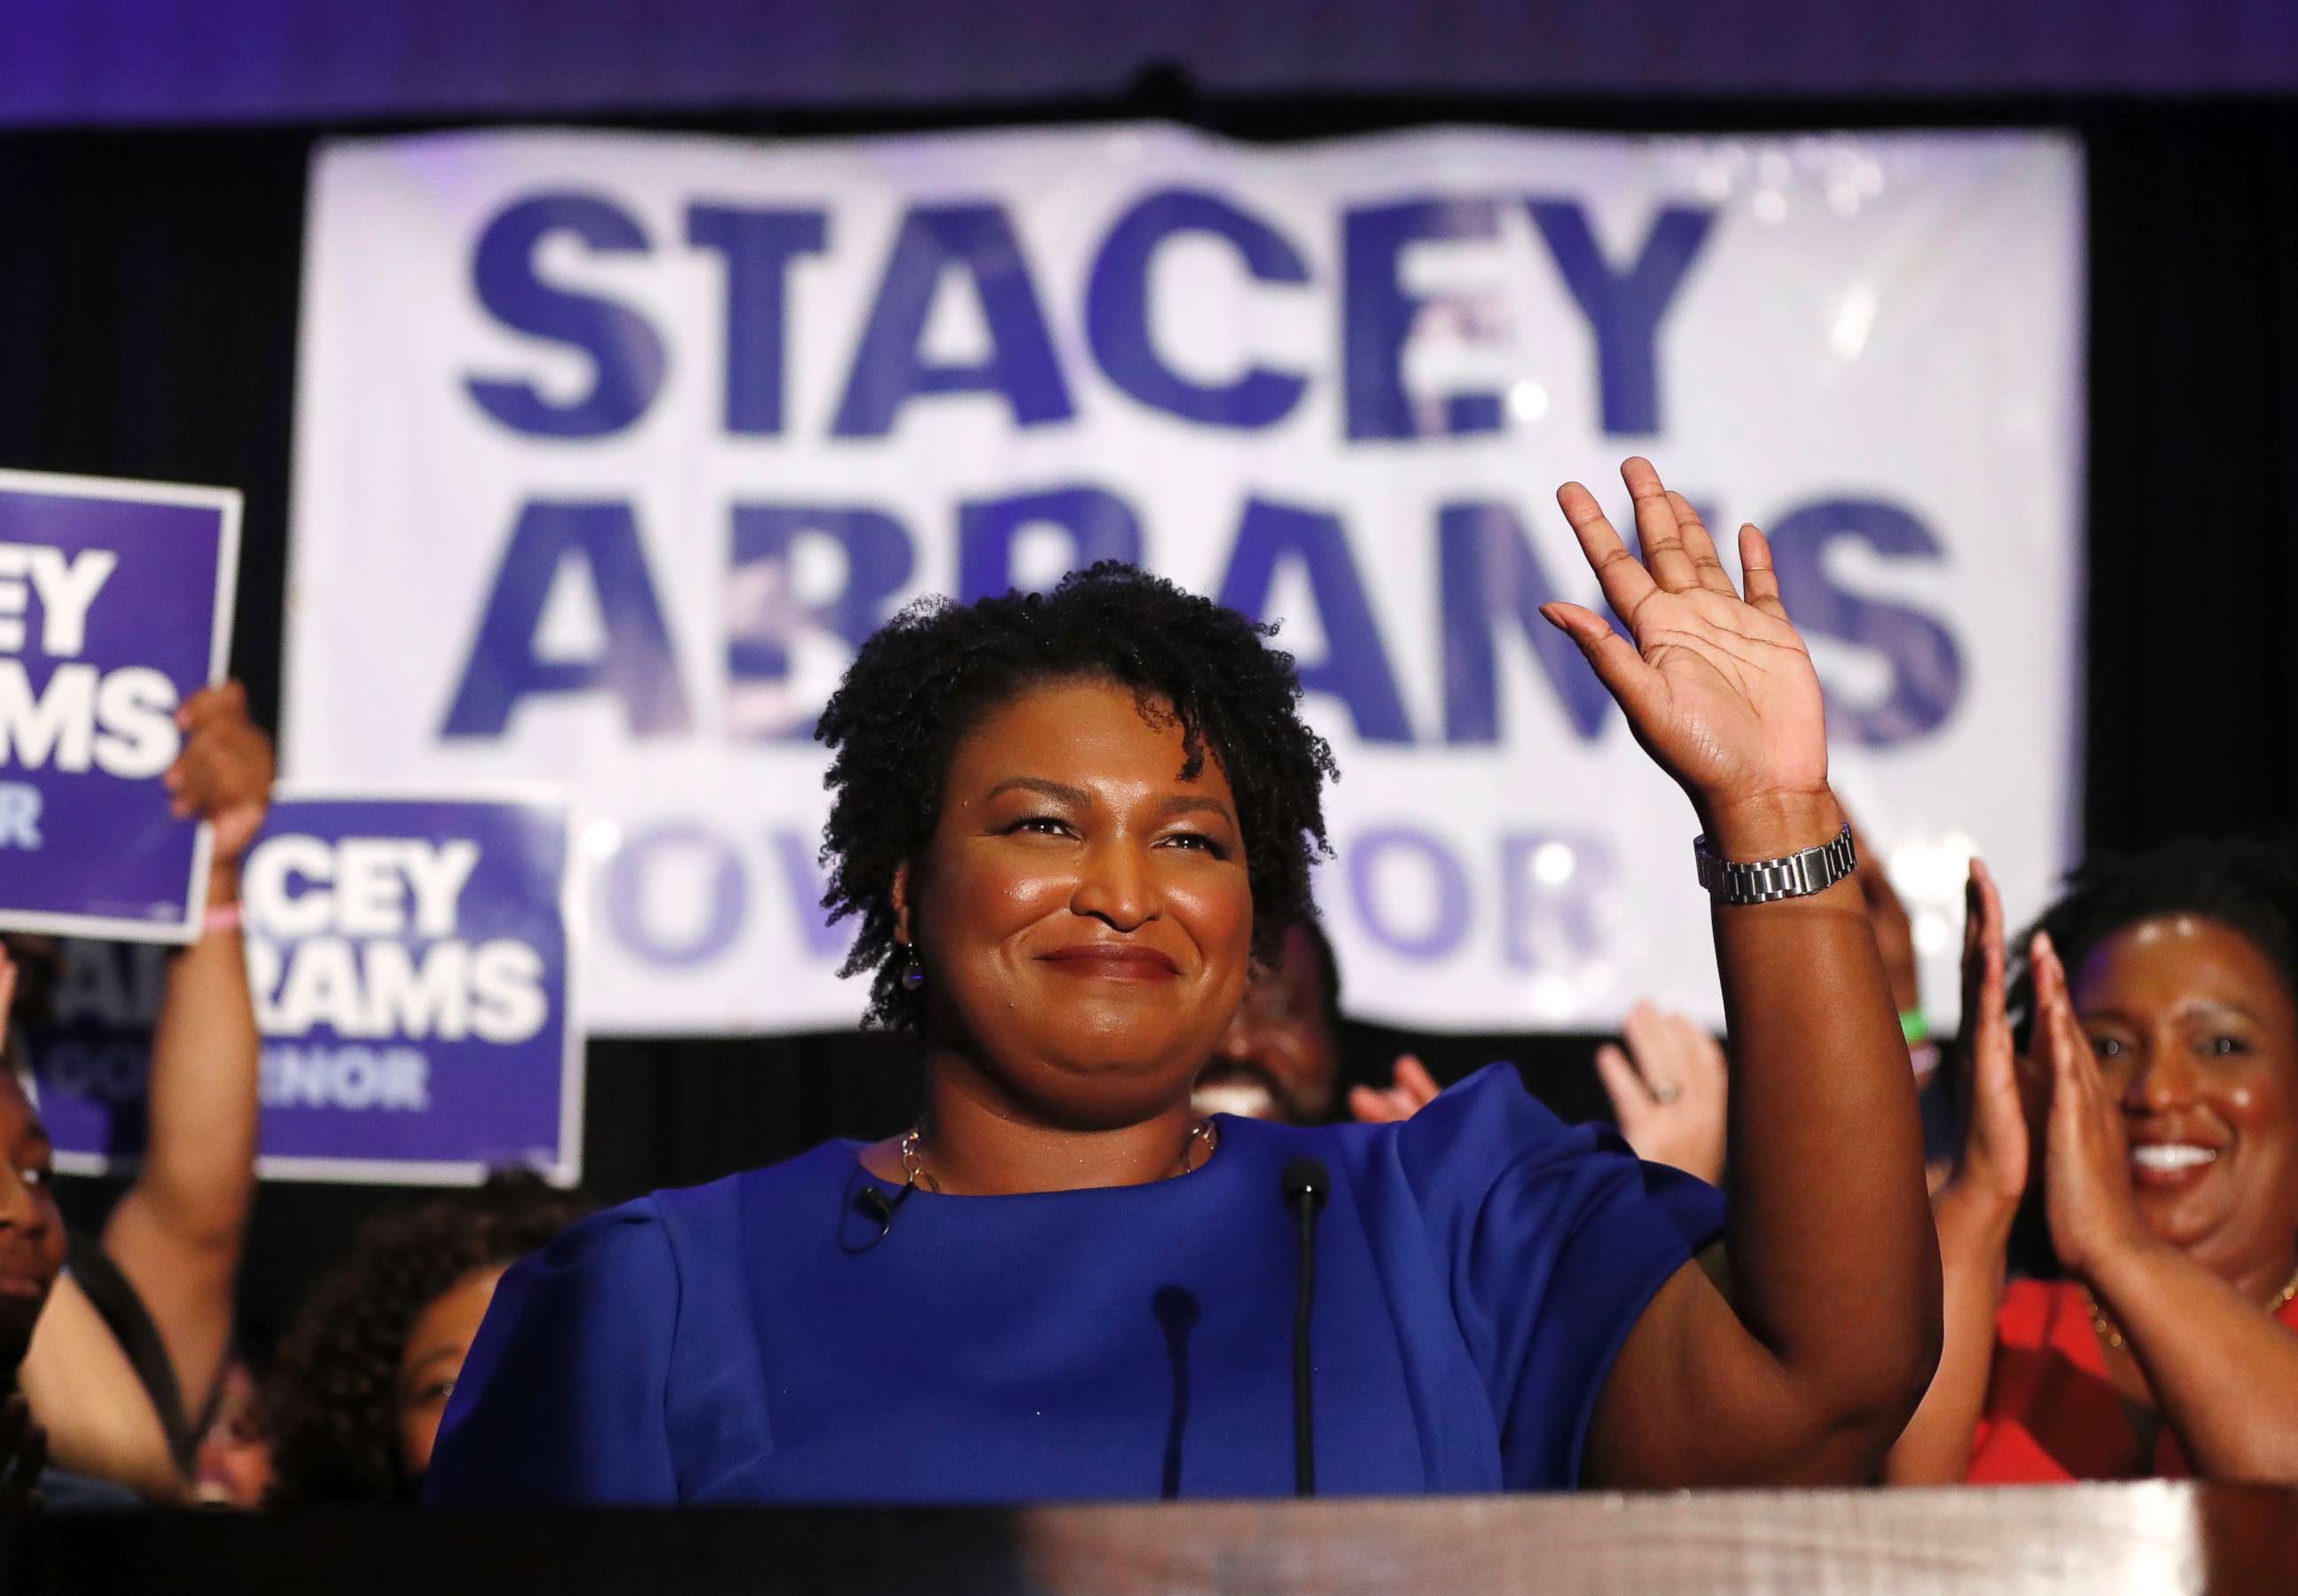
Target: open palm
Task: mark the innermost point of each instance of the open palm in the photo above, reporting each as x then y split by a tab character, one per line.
1718	689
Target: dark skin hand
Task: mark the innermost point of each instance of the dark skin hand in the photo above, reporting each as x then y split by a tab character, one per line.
1807	1370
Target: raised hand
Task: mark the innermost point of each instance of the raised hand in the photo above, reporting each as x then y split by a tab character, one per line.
225	772
1414	1089
1996	1142
1668	1089
1718	689
2087	1162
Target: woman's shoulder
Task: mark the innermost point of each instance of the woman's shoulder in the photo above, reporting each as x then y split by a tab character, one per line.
686	1223
1485	1140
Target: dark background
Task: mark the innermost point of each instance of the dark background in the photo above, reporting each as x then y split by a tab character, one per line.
148	304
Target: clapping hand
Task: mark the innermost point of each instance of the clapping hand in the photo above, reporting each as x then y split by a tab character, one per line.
1988	1081
1414	1089
2086	1164
1668	1089
1717	687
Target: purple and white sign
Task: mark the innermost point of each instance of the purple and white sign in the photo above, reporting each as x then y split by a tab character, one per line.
115	607
409	958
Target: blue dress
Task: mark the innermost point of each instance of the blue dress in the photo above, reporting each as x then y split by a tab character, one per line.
751	1341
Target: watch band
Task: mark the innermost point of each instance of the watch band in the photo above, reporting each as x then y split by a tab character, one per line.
1767	881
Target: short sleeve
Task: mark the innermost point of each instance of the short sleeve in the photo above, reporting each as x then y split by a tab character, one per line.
1554	1239
561	1398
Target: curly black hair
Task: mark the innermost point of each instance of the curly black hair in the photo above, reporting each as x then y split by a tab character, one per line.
927	676
2246	883
331	1396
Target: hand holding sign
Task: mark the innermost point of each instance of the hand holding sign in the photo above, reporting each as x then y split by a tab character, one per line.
1718	689
224	774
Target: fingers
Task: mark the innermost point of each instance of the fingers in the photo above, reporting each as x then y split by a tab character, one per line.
1659	535
1625	584
2074	1072
1706	570
1414	1083
1631	1099
7	988
1372	1106
1762	582
1615	660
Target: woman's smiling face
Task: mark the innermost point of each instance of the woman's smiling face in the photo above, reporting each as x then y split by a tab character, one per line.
1083	915
2196	1028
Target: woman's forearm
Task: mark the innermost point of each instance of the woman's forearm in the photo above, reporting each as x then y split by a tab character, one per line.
1974	1234
2224	1372
1833	1249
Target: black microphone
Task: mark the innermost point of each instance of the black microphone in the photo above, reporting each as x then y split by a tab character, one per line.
1306	1185
873	1206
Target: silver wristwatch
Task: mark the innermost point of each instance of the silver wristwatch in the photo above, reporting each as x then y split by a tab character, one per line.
1767	881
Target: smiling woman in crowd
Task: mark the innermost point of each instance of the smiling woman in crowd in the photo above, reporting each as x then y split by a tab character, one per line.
1068	825
2164	1017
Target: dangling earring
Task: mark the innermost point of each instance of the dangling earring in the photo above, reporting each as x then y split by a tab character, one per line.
914	974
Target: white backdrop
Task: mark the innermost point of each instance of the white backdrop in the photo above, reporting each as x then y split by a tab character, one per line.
609	444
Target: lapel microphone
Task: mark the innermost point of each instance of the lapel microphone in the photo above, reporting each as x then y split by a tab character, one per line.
1306	1183
876	1209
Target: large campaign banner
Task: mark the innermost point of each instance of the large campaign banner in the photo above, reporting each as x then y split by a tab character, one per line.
612	447
409	955
115	607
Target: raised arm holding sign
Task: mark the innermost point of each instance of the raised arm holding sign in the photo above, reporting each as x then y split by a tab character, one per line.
175	1236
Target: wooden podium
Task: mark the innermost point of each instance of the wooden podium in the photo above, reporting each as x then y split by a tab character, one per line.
2150	1537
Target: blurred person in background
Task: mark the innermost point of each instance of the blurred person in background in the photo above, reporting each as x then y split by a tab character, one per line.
31	1256
364	1372
2158	1096
1280	1058
231	1467
1665	1076
130	1349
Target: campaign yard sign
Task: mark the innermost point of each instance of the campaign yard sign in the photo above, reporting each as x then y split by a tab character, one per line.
409	956
115	607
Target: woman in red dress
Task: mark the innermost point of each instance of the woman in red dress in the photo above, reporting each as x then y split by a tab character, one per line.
2161	1081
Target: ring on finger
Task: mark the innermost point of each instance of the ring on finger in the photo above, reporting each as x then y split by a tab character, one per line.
1665	1093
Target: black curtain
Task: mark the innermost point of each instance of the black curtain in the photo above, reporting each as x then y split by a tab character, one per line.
148	300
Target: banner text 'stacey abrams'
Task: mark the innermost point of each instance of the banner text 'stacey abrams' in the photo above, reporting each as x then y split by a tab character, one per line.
612	446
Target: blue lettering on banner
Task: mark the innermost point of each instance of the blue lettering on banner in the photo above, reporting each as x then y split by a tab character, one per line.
1489	575
1379	314
1117	310
1926	664
890	367
878	556
1555	887
760	246
1624	309
800	860
600	539
727	896
1448	882
20	815
627	353
1098	524
1355	669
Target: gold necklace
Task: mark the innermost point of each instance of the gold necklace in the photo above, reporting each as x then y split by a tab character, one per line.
915	1174
2112	1338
